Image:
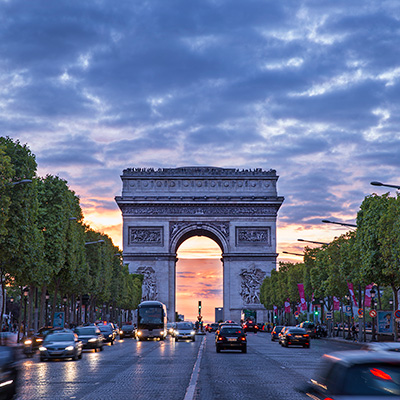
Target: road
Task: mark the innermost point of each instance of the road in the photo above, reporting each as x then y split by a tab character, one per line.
169	370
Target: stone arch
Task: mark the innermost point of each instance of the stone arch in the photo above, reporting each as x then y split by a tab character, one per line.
235	208
187	230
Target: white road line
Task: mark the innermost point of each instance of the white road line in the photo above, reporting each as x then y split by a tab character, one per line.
195	374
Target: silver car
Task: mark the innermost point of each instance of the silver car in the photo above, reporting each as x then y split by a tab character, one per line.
184	330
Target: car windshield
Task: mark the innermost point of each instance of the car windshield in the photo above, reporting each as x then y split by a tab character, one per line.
377	379
86	331
278	328
184	325
56	337
127	327
105	328
232	331
297	330
309	326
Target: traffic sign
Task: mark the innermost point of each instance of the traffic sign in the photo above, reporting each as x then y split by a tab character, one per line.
329	315
372	313
397	313
360	312
348	310
296	313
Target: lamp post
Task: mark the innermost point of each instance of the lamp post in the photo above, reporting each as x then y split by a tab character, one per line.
347	297
21	182
311	241
373	294
47	307
26	292
385	184
327	221
94	242
65	298
78	312
294	254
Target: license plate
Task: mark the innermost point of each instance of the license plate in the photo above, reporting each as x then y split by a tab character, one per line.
298	336
232	339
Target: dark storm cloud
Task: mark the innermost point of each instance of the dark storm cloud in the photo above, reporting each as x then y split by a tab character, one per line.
308	88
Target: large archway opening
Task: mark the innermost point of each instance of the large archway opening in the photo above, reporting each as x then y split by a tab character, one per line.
199	277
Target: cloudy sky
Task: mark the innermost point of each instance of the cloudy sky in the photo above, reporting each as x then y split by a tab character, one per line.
309	88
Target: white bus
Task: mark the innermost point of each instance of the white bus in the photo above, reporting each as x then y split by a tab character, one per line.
151	320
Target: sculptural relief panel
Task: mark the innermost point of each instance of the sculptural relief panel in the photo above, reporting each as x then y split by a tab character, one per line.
253	236
146	236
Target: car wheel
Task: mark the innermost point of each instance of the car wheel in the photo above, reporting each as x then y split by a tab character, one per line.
176	339
244	349
80	356
42	359
194	339
112	342
75	358
218	349
101	348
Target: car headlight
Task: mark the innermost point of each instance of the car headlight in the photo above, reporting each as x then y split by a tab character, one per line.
28	341
92	340
42	348
39	340
69	348
176	332
193	333
139	333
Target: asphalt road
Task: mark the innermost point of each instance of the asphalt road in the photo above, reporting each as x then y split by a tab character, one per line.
168	370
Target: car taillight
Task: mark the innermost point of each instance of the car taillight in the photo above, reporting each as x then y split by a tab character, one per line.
380	374
221	338
243	338
288	334
306	335
245	326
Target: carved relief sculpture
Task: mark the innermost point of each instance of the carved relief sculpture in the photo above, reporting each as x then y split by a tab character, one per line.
149	286
152	236
252	279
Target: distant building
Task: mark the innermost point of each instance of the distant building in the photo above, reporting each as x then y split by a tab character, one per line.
219	314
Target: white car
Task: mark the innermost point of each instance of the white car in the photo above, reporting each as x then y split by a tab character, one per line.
382	346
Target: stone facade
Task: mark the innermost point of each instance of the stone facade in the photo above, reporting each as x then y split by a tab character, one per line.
235	208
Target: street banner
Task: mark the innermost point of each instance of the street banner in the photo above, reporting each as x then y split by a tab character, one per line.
58	321
351	290
275	309
303	306
336	303
287	306
385	321
367	297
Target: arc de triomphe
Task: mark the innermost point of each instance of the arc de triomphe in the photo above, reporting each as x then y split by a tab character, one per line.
161	208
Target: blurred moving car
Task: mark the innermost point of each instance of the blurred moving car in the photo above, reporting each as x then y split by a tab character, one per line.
382	346
231	337
108	333
91	337
275	332
126	331
356	374
295	336
61	344
184	330
250	326
9	372
309	327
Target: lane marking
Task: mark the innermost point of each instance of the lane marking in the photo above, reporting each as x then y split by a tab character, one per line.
195	374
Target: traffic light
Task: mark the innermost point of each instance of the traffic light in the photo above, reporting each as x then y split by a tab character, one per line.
199	306
316	312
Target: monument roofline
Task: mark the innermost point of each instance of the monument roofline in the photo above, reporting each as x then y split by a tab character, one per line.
198	171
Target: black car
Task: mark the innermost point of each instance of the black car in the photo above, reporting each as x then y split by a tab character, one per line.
91	337
275	332
126	331
356	374
309	327
61	344
295	337
108	333
231	338
9	372
250	326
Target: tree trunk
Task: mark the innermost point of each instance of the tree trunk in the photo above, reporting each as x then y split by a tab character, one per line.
396	306
42	321
3	297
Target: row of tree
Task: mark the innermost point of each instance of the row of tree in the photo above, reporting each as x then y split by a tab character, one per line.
44	244
368	255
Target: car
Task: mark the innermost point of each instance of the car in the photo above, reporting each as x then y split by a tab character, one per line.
91	337
281	333
231	337
309	327
9	371
295	336
184	330
61	344
250	326
170	328
108	333
126	331
357	374
213	327
275	332
382	346
227	323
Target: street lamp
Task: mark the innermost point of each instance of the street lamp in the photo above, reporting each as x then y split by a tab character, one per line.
385	184
26	292
65	298
347	297
326	221
294	254
373	294
311	241
21	182
47	307
96	241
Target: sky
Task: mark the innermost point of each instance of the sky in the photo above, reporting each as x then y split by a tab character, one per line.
308	88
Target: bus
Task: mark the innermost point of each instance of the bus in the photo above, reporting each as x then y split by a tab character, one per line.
151	320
